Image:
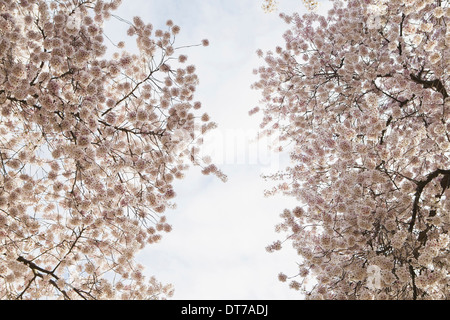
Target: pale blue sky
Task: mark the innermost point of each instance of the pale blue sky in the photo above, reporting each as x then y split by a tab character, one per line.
220	230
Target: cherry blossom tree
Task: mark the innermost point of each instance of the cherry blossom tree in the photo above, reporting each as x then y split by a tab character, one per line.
360	100
89	149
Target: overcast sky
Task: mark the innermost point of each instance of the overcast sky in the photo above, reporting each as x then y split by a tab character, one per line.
220	230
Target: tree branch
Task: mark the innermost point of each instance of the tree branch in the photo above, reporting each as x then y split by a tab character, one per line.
420	186
413	280
434	84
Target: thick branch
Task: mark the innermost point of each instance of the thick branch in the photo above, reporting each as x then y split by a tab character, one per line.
420	186
435	84
413	280
35	268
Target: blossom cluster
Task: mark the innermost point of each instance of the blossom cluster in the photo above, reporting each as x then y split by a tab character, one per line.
360	100
89	149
